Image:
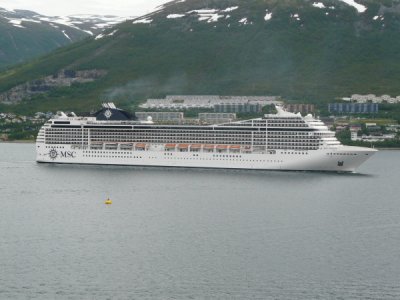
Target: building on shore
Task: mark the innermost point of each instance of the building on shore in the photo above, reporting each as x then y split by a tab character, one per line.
353	108
371	98
371	138
238	108
158	116
206	101
300	108
217	118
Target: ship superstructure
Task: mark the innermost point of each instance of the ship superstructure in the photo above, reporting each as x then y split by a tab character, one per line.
281	141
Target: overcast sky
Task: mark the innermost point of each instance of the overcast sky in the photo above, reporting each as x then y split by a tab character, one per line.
71	7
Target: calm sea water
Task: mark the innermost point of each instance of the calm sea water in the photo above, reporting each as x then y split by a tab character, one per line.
196	234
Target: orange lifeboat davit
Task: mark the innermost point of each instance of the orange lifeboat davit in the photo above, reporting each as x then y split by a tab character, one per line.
234	146
140	145
195	146
170	146
209	148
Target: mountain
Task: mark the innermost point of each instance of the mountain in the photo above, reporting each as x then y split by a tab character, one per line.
25	34
299	49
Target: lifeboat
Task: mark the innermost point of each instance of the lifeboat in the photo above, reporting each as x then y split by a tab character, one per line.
96	145
209	148
170	146
195	146
111	146
234	148
140	146
183	146
222	147
126	146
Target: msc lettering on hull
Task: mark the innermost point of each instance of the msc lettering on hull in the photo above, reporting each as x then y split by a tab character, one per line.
67	154
53	154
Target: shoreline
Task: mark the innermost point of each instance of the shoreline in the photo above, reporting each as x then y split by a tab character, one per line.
18	142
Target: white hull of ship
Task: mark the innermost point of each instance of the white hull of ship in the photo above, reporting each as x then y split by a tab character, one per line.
342	159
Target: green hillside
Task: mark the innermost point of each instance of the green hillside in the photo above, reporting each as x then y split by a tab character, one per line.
303	53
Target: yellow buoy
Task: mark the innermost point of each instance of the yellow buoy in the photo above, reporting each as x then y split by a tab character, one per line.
108	201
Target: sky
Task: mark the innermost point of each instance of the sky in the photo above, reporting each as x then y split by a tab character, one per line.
73	7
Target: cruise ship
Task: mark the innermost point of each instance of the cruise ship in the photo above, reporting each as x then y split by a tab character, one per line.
281	141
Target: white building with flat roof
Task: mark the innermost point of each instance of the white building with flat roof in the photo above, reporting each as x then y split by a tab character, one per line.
160	115
206	101
373	99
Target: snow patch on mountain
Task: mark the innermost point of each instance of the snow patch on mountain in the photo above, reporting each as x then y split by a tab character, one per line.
318	4
360	8
66	35
206	14
101	35
209	15
80	22
230	9
295	16
175	16
268	15
244	21
381	18
59	20
213	18
16	23
101	25
203	11
142	21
